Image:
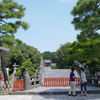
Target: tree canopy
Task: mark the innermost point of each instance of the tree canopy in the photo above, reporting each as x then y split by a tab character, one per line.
49	55
8	10
87	53
20	53
25	65
87	19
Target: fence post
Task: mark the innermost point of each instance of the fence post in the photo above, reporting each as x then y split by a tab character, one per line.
26	80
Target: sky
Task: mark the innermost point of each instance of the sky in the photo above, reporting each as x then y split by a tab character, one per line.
50	24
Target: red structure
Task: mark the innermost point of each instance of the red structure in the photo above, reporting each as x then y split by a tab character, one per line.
59	82
18	85
1	77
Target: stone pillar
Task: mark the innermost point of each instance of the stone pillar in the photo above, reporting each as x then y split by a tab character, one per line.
13	76
40	76
26	80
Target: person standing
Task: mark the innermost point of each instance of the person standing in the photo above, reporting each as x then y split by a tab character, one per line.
83	83
72	83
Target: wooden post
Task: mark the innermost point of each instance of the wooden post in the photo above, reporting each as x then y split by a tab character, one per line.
2	63
3	66
0	60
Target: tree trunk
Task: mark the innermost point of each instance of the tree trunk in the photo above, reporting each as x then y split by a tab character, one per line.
3	66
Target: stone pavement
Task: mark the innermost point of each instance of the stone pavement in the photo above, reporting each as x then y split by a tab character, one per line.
55	90
50	97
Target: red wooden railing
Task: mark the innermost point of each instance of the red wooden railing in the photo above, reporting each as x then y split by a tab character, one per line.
1	77
18	85
59	81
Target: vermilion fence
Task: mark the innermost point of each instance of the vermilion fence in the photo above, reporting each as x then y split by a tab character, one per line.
59	81
1	77
18	85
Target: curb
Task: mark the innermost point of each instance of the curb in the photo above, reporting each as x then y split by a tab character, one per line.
52	93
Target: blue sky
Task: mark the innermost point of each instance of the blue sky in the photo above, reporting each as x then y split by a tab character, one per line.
50	23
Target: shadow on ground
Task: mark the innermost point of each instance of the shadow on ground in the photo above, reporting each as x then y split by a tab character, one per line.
66	97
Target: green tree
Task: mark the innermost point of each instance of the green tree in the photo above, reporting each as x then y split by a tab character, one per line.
20	53
87	53
47	55
30	53
8	10
62	55
25	65
87	19
54	57
50	55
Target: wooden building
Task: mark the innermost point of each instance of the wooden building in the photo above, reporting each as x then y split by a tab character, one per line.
47	63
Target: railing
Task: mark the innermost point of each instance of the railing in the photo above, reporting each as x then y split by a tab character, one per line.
94	80
1	77
34	81
18	85
59	82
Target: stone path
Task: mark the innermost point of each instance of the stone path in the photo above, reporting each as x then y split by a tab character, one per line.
50	97
53	93
55	90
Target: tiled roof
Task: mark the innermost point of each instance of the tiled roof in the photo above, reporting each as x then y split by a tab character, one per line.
47	61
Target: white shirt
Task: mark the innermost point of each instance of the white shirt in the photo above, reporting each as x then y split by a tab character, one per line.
83	77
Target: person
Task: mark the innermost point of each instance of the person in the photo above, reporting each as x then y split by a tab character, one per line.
72	83
83	82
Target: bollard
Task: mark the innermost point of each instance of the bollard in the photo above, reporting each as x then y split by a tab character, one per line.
26	80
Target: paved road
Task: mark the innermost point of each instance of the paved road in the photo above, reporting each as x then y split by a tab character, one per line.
58	89
50	97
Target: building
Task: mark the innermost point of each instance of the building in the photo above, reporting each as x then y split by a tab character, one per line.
47	63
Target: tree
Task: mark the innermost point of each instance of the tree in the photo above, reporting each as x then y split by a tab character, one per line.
47	55
87	53
87	19
20	53
8	10
54	57
25	65
50	55
62	55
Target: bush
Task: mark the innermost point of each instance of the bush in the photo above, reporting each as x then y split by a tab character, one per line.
26	65
18	74
53	67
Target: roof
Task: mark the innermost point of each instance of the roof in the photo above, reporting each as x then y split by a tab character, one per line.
47	61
